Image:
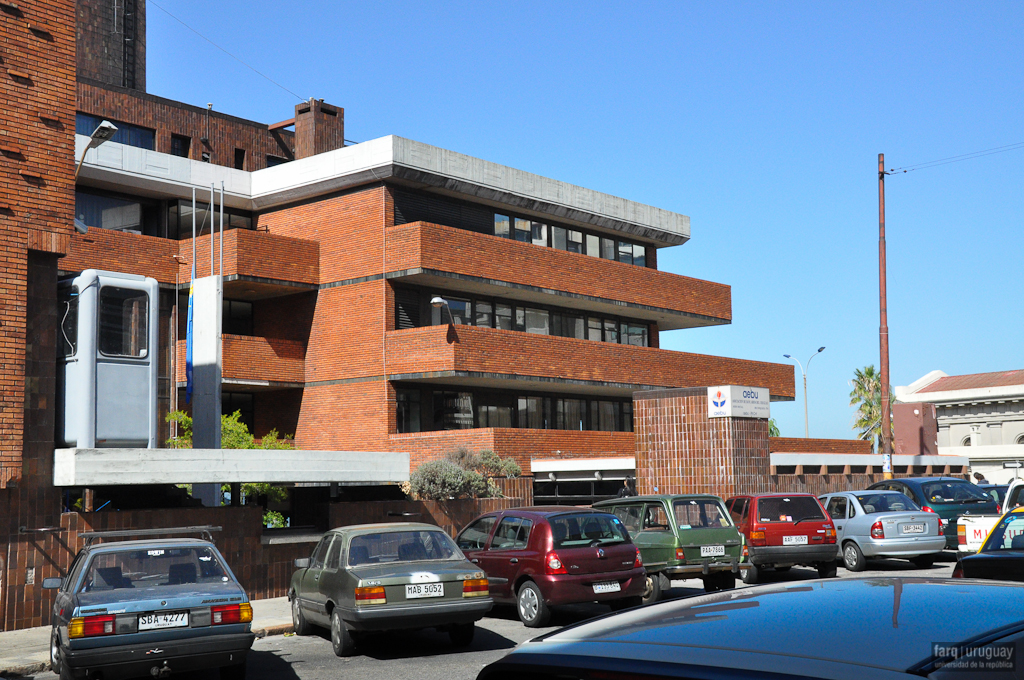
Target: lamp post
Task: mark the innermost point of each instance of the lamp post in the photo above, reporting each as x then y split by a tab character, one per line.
438	302
101	134
789	356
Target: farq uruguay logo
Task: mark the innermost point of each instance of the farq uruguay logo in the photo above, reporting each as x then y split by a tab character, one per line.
719	400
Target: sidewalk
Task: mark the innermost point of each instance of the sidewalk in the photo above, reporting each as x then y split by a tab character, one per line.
25	652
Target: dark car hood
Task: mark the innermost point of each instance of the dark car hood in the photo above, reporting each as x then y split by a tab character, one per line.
818	622
146	599
1005	565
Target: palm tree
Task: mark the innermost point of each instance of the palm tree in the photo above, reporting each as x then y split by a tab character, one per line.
867	397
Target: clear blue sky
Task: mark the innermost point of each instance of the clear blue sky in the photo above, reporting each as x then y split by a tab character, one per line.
761	121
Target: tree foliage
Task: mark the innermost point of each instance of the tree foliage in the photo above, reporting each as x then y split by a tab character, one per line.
773	428
462	474
866	395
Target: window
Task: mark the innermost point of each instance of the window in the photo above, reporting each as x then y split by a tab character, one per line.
316	560
634	334
118	213
503	316
237	317
1007	534
460	309
585	530
531	413
69	321
625	252
966	441
738	510
788	509
239	159
512	534
837	507
124	321
608	249
655	518
567	326
501	225
574	242
1020	439
483	314
537	321
627	416
474	537
131	135
453	410
570	414
494	416
524	232
241	402
593	245
630	516
180	145
874	503
408	405
152	568
609	416
952	492
611	331
179	218
558	238
594	327
334	555
700	514
539	233
401	546
275	160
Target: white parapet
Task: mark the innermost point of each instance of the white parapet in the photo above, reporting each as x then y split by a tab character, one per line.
116	467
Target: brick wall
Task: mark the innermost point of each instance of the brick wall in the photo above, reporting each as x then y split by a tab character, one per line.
796	445
246	357
225	133
101	41
319	127
432	246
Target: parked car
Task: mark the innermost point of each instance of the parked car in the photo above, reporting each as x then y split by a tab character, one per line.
383	577
972	530
851	629
1001	556
681	536
149	608
947	497
996	491
882	524
541	557
782	530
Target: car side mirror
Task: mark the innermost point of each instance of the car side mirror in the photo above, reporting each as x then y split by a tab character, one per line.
302	563
52	583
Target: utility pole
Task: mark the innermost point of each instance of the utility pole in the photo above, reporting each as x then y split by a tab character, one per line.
883	329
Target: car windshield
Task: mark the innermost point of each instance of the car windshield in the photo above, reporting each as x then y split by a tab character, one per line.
953	491
152	568
575	531
401	546
1007	534
702	513
788	509
885	502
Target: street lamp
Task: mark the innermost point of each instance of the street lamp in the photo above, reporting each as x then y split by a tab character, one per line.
101	134
438	302
788	356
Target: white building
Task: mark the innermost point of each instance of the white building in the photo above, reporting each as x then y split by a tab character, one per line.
980	416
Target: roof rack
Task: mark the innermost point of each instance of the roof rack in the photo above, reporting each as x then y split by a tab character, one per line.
206	531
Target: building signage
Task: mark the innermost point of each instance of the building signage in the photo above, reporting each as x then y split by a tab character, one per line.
735	401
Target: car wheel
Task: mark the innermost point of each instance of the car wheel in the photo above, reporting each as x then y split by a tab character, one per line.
462	634
56	662
533	611
853	558
923	561
750	575
341	638
300	626
827	569
652	589
626	603
235	672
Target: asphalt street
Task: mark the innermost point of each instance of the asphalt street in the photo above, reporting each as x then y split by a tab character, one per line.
428	655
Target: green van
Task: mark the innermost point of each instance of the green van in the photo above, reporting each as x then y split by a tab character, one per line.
683	536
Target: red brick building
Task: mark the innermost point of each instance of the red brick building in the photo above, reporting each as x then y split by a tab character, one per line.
553	302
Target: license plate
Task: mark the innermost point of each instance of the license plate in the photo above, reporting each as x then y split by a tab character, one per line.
712	550
610	587
168	620
794	540
913	528
424	590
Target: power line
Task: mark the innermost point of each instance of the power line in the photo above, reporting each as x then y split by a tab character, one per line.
225	51
957	159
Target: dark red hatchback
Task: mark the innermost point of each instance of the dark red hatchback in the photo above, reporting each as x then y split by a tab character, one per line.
541	557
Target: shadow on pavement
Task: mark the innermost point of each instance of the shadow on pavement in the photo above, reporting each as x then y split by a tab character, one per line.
563	615
260	664
411	644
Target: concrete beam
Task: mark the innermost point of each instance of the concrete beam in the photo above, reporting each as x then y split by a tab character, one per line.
118	467
862	459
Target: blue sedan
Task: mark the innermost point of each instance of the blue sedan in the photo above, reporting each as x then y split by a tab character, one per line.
149	608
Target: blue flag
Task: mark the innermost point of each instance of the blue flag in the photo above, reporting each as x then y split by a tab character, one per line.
188	340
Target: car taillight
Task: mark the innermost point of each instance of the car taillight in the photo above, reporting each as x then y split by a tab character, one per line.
476	587
231	613
877	531
961	534
958	571
91	626
830	535
680	554
927	509
639	561
757	535
553	565
371	595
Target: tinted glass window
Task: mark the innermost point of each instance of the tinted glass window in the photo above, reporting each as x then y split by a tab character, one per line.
739	509
316	560
574	242
503	316
474	537
577	531
501	225
700	514
124	318
537	321
558	238
1007	534
837	507
608	248
788	509
523	230
483	313
401	546
1016	497
625	252
631	516
655	518
152	568
885	502
512	534
952	491
593	245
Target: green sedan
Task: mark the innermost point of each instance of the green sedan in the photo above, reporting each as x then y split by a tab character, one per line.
383	577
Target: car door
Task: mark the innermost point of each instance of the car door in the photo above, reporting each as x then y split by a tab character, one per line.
310	599
836	507
332	575
472	541
656	539
507	554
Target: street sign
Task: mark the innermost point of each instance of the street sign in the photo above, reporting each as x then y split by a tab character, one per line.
1013	464
886	462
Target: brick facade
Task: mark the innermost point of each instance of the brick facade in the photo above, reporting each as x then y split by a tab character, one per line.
107	33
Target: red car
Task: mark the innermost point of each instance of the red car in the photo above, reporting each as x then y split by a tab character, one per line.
782	530
546	556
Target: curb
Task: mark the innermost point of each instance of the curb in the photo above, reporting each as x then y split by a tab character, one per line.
274	629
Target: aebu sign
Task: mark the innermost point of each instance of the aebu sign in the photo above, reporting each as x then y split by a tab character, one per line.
735	401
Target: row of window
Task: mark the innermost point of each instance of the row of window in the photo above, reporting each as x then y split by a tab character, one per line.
529	230
170	219
429	410
511	316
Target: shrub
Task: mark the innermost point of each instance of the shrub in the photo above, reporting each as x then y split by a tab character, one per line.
440	480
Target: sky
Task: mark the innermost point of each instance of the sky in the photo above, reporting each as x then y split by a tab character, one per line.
761	121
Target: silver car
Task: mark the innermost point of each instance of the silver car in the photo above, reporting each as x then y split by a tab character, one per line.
882	524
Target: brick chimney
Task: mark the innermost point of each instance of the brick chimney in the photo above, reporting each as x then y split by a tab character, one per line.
319	127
